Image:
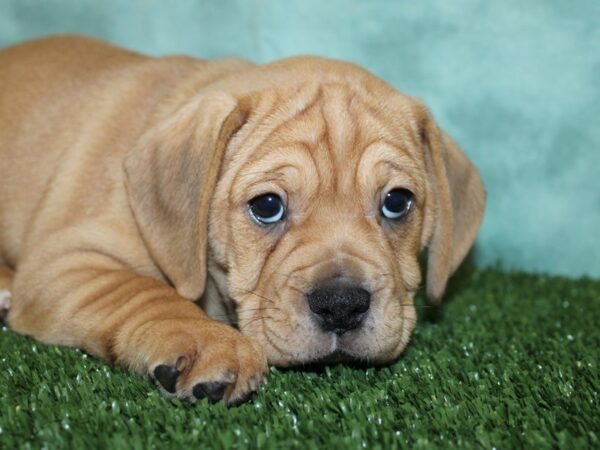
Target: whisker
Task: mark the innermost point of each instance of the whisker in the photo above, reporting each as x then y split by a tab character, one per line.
290	275
418	306
255	319
258	295
240	311
262	308
381	275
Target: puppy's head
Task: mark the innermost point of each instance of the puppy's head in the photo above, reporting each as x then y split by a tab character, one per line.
319	186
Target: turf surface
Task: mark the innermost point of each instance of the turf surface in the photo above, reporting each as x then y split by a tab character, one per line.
512	362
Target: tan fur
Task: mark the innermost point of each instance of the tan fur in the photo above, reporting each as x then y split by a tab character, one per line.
124	183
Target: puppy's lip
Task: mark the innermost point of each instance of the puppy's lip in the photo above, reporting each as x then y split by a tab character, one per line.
341	356
335	357
336	354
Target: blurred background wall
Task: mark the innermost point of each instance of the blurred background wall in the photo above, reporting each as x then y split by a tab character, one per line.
517	83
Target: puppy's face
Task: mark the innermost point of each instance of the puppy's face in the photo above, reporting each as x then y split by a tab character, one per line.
319	218
319	185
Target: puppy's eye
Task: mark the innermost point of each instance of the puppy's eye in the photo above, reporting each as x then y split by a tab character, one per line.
397	204
266	208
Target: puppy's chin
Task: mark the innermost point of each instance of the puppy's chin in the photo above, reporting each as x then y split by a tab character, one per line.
377	342
335	349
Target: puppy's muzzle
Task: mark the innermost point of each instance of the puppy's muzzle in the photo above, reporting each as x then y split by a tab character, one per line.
339	307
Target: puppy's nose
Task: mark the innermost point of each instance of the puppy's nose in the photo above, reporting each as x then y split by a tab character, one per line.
339	307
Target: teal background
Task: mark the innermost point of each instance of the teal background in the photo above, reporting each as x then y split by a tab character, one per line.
517	83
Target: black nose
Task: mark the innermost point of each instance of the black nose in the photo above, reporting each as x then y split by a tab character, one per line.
338	307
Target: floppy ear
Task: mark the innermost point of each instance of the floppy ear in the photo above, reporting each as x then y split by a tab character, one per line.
170	177
459	202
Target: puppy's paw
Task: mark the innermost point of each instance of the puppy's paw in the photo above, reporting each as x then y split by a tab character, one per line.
5	298
215	363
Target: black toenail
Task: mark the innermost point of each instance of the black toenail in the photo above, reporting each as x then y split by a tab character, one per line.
167	377
242	399
213	391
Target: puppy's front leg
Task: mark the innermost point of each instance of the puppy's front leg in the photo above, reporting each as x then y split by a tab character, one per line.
142	324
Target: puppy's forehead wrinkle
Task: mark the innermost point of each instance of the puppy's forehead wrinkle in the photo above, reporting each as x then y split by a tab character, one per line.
252	177
396	128
339	121
286	172
272	116
333	122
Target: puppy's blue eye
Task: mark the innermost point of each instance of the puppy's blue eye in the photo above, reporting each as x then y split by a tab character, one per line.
267	208
397	204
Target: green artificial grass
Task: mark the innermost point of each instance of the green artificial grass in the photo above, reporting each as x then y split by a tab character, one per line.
511	362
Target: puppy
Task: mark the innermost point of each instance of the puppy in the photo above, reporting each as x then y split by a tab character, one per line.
290	199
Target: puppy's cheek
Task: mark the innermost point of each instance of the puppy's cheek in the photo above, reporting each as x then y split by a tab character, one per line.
275	353
408	325
290	342
385	334
405	324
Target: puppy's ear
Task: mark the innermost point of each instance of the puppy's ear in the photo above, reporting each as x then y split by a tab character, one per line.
455	210
170	177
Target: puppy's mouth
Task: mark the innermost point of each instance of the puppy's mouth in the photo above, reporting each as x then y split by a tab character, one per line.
334	322
336	348
337	352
